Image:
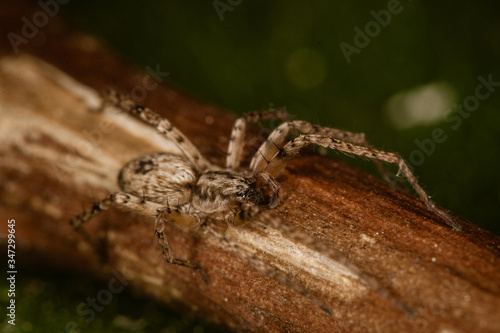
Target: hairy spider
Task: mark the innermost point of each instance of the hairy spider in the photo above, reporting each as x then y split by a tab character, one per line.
189	191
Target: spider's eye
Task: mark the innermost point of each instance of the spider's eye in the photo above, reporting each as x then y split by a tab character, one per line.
253	195
241	191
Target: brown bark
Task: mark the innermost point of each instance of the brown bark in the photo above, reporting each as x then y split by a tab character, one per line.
56	157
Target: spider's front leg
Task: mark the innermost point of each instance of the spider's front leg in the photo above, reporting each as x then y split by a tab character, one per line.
276	141
292	148
175	216
237	138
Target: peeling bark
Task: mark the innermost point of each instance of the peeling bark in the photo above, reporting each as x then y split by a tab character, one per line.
56	157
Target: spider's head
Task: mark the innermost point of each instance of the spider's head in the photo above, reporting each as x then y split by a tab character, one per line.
259	189
217	191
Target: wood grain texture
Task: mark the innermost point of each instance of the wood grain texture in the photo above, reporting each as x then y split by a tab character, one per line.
56	157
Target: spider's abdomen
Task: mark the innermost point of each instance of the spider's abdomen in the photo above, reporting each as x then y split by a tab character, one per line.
159	177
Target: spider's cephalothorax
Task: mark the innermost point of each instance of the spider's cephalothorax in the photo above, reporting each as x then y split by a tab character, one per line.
173	181
188	190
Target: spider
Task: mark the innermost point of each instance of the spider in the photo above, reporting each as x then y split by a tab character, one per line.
189	191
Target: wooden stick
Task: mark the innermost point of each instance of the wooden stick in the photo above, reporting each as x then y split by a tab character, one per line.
56	157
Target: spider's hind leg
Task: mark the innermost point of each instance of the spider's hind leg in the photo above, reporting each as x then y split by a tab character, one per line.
162	125
125	201
119	199
122	201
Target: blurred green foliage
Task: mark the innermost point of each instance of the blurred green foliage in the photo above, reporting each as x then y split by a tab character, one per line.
49	302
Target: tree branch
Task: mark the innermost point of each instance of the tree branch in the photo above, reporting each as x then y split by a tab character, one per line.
388	265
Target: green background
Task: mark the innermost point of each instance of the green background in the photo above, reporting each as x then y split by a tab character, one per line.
273	54
284	53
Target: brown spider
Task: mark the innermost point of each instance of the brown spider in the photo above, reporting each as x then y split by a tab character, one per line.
155	183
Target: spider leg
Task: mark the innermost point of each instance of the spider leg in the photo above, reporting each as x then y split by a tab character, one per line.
132	203
237	138
292	148
276	140
162	124
177	217
121	200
